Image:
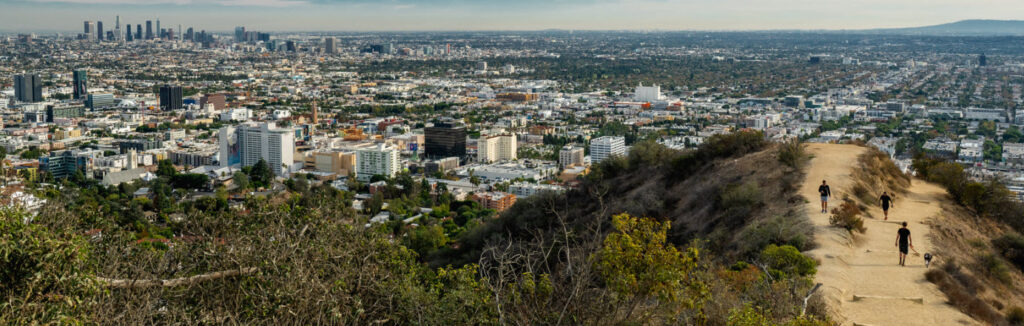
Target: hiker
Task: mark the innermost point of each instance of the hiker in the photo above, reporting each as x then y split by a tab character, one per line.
903	241
825	193
886	203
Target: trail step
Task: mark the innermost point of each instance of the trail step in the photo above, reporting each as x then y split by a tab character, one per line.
861	324
918	300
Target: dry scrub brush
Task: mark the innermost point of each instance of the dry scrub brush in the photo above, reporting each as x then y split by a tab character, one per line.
876	173
846	216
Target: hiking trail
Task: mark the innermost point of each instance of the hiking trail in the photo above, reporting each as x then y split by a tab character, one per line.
862	284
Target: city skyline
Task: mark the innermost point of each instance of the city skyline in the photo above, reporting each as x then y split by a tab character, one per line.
455	15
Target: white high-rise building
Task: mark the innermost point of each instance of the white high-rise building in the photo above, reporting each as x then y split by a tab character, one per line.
381	159
496	148
605	147
647	93
248	143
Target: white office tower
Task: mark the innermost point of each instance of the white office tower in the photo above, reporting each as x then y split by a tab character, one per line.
605	147
496	148
377	160
248	143
647	93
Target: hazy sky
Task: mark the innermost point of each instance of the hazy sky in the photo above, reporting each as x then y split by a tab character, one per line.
353	15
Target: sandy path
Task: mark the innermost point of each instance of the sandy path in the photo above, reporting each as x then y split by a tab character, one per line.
866	266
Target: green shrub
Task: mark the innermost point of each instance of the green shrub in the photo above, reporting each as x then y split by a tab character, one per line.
1015	316
994	267
779	230
845	216
749	315
783	261
746	195
1011	247
977	243
793	153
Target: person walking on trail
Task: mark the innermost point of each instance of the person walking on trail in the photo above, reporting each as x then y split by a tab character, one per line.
825	192
886	203
903	241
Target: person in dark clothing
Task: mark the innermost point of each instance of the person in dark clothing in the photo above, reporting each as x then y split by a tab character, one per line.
886	203
825	192
903	241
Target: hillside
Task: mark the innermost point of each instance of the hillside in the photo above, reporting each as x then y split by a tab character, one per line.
973	27
861	281
967	226
709	236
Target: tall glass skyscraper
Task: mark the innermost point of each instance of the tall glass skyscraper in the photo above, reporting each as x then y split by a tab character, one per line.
80	81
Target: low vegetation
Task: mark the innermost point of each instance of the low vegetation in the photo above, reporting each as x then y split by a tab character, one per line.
1011	247
793	154
988	199
638	243
875	174
846	216
962	291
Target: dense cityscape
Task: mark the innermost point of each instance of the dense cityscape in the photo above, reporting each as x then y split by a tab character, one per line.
483	113
156	134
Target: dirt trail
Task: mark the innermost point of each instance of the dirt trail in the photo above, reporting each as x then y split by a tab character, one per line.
862	282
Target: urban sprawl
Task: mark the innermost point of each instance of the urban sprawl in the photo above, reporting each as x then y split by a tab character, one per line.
487	117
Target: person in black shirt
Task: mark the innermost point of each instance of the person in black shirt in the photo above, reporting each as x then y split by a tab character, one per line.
886	203
825	192
903	241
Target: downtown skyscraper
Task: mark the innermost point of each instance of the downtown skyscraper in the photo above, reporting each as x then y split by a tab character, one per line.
28	88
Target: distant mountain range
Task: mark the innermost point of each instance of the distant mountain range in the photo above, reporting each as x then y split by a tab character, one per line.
973	27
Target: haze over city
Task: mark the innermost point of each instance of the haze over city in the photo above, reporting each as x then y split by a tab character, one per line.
531	162
407	15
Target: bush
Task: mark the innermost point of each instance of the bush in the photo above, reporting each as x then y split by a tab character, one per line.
861	192
1015	316
961	297
845	216
718	146
746	195
1011	247
994	267
779	230
784	261
793	154
988	199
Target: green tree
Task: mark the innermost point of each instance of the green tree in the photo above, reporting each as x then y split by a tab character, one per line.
241	180
987	129
638	266
261	175
1013	135
164	168
425	239
992	151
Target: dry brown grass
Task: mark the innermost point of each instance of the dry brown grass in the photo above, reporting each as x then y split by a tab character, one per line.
961	289
877	173
960	235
